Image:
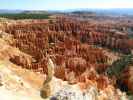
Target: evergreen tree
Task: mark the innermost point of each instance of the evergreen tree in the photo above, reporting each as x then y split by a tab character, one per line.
118	66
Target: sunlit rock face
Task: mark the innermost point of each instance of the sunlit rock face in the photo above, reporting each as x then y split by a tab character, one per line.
16	82
79	65
65	39
92	87
67	51
64	91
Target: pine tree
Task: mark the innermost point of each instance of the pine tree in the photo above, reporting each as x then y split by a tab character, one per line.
118	66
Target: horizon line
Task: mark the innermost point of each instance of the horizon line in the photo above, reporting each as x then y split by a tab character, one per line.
64	9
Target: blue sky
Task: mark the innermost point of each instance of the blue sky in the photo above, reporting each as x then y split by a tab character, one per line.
63	4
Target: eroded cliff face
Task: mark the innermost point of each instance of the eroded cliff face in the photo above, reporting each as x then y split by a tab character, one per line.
66	41
16	82
79	64
66	50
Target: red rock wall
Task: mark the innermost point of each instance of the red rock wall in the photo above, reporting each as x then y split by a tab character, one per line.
68	43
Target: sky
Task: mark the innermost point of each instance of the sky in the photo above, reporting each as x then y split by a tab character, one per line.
63	4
